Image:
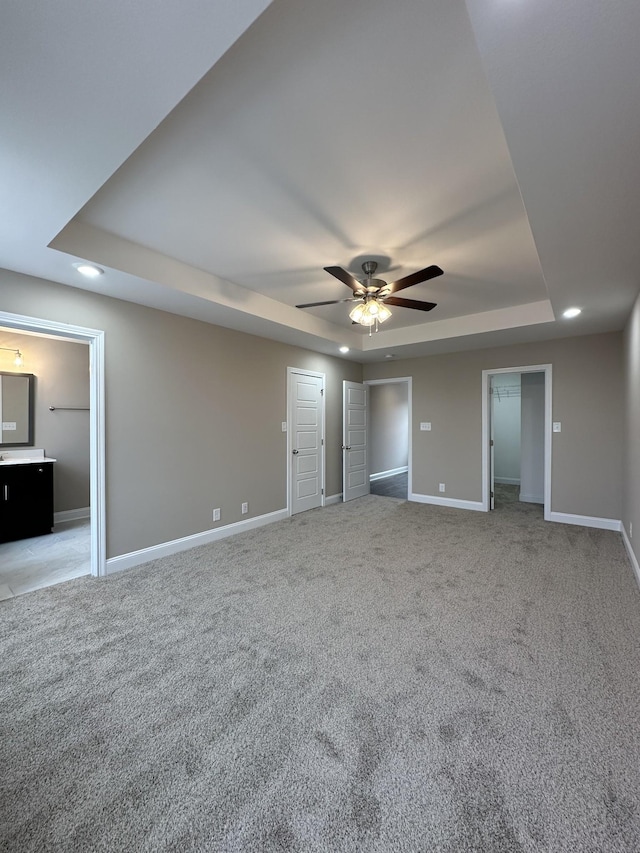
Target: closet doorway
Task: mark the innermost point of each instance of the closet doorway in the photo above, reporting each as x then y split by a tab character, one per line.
390	437
517	437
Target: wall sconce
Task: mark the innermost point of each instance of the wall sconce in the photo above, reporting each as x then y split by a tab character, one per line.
18	360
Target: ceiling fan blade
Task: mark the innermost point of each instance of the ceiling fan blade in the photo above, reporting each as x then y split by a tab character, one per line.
346	278
409	303
330	302
415	278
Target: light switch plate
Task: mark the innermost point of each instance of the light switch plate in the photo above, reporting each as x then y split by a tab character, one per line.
557	426
425	426
284	426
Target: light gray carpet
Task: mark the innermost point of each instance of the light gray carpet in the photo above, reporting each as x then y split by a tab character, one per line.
375	676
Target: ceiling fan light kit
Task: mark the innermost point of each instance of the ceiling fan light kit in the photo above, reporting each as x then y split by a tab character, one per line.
370	312
372	294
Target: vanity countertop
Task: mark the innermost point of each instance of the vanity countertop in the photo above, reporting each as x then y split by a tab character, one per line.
24	457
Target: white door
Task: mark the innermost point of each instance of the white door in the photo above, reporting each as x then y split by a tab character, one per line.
355	450
306	445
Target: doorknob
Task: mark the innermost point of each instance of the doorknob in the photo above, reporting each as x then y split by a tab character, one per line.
345	447
295	452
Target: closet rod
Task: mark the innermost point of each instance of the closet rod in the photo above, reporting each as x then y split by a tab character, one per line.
68	408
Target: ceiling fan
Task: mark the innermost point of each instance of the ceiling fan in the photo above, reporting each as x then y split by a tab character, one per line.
373	295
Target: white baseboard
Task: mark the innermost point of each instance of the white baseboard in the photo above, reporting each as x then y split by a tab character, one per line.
71	514
333	499
507	481
452	502
530	499
586	521
382	475
166	549
632	557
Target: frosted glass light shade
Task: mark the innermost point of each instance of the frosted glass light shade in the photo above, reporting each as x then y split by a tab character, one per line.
369	313
357	313
383	312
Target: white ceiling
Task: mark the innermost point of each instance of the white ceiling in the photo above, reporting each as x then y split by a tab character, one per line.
213	159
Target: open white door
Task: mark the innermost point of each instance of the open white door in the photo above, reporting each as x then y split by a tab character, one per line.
355	451
306	440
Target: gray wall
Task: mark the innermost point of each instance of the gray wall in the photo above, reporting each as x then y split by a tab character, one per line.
587	399
193	413
388	426
631	496
61	369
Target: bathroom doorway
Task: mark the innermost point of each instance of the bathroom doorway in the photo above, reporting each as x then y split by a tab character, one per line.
60	427
93	411
390	437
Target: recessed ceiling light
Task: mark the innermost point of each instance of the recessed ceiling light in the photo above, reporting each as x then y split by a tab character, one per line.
344	349
572	312
390	355
89	270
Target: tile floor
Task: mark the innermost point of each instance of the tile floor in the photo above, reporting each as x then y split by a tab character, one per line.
45	560
392	487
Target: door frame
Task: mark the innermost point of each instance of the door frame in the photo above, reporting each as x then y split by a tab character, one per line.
408	380
290	372
486	432
95	339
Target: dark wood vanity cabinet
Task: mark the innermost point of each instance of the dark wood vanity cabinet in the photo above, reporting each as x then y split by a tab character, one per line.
26	500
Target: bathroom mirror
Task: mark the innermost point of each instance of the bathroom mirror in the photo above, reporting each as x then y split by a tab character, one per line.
16	409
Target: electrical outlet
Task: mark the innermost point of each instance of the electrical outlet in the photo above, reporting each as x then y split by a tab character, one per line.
284	426
216	515
245	508
442	487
